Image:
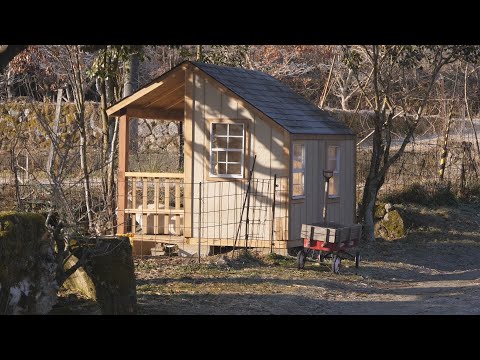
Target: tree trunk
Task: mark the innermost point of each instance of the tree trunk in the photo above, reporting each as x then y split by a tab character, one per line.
86	176
367	209
375	178
77	81
198	56
110	175
10	93
14	168
69	93
103	113
131	84
106	183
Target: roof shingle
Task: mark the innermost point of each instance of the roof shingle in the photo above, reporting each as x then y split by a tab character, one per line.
276	100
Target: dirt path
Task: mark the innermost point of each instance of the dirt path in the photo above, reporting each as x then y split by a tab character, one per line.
434	270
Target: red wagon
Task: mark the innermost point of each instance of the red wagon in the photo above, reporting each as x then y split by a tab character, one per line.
330	240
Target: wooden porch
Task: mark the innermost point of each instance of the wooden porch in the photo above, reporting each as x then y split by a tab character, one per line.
169	208
154	203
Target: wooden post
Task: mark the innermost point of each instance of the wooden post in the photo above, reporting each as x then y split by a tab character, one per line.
273	213
199	221
134	203
167	205
145	206
177	206
122	168
188	148
155	202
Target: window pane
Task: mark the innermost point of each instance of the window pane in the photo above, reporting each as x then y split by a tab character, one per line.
235	143
332	152
235	169
234	156
297	178
219	156
333	185
221	169
219	129
297	164
227	136
332	164
219	142
298	150
297	190
236	130
298	184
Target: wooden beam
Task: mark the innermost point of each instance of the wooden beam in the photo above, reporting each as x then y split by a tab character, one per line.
154	211
122	169
156	83
254	243
152	113
180	101
166	94
188	153
155	175
160	238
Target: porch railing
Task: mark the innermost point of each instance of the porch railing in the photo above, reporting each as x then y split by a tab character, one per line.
155	203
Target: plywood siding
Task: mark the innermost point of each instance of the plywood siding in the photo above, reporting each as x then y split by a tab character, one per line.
310	209
222	198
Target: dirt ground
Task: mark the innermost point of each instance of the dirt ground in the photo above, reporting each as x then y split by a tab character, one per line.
433	270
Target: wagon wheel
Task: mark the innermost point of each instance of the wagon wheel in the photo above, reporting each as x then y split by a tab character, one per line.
358	258
336	261
321	257
301	259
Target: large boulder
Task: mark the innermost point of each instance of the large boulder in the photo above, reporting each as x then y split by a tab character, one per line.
27	265
391	226
380	211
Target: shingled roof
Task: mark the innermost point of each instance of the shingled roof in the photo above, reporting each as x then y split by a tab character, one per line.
276	100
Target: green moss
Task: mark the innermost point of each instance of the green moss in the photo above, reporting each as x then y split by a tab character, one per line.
393	224
380	210
17	227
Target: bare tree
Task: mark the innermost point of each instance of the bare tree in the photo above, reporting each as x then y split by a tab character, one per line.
402	81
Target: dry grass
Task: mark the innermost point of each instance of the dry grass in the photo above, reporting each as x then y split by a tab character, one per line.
432	270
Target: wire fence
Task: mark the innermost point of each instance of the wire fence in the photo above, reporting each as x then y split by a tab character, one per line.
165	215
224	214
420	165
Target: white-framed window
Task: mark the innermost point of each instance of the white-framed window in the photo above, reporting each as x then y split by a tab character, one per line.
298	170
227	150
333	163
